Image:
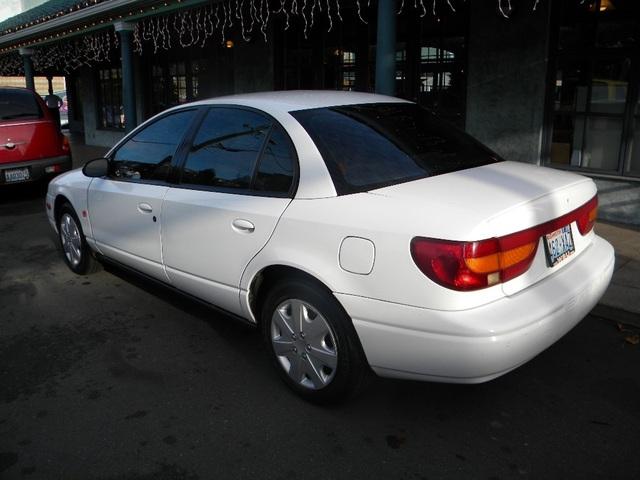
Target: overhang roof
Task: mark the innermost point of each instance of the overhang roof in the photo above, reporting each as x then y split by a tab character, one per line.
49	9
58	19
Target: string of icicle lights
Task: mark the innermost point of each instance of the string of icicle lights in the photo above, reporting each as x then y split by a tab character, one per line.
195	26
65	56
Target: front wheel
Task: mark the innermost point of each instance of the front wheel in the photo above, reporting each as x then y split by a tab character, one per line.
77	254
312	342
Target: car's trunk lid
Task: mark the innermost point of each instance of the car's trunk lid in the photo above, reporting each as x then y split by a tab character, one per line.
497	200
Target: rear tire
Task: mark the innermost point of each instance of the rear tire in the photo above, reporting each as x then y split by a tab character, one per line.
76	252
312	342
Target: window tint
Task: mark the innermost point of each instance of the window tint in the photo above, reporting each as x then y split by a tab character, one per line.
147	156
225	149
275	172
373	145
18	104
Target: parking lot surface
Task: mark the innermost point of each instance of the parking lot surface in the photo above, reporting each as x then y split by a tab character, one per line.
110	377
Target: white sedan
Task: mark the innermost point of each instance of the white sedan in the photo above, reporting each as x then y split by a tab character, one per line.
358	231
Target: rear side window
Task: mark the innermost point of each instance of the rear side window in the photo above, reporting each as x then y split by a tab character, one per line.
226	148
375	145
16	104
148	155
275	170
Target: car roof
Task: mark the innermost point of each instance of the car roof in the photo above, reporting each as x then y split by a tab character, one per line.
292	100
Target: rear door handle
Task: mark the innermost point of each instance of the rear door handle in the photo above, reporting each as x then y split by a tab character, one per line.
243	226
145	208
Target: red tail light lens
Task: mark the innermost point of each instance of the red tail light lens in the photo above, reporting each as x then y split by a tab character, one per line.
480	264
65	143
587	216
471	265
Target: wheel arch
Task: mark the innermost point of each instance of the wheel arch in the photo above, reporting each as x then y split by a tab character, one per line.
270	275
60	200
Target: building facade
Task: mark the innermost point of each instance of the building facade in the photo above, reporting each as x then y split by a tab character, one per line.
553	83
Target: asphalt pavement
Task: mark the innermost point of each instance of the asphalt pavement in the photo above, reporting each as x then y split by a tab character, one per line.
109	377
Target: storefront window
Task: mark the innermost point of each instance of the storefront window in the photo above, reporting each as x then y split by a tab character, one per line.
571	86
348	66
577	24
110	109
617	27
178	82
609	86
602	143
597	80
173	83
633	166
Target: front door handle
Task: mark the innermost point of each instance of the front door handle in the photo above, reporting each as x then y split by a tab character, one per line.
145	208
243	226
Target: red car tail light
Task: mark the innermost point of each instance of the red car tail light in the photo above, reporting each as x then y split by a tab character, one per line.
465	266
53	168
65	144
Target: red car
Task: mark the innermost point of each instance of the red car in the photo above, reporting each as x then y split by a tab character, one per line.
31	144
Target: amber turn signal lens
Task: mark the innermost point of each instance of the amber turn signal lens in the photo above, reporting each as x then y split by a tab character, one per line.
501	260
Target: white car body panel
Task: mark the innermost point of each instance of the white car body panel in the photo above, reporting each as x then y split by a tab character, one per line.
358	245
204	253
391	217
72	185
122	229
483	343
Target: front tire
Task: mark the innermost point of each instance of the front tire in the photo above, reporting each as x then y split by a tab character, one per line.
312	342
76	253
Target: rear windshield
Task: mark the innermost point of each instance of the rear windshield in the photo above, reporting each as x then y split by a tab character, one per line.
374	145
18	104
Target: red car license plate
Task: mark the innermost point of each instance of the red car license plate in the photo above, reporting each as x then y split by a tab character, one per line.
559	245
16	175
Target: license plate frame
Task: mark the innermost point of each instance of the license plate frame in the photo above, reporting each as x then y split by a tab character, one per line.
15	175
559	245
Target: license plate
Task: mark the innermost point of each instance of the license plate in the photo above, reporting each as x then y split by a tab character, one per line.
16	175
559	245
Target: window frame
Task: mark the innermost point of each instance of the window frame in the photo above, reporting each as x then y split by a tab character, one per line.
342	187
100	100
190	137
177	156
591	54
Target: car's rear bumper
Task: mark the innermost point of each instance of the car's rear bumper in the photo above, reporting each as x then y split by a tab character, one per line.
522	325
37	168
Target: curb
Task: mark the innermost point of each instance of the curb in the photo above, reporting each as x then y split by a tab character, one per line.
616	315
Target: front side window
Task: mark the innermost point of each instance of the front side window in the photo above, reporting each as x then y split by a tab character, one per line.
374	145
226	148
148	155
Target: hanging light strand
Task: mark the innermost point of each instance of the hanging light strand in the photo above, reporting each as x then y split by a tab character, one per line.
195	26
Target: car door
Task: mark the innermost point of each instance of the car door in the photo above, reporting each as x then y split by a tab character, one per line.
236	181
125	208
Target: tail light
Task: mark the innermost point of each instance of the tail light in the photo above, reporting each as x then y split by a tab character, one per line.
65	144
587	216
465	266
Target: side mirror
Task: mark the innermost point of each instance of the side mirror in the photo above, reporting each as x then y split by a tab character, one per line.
98	167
